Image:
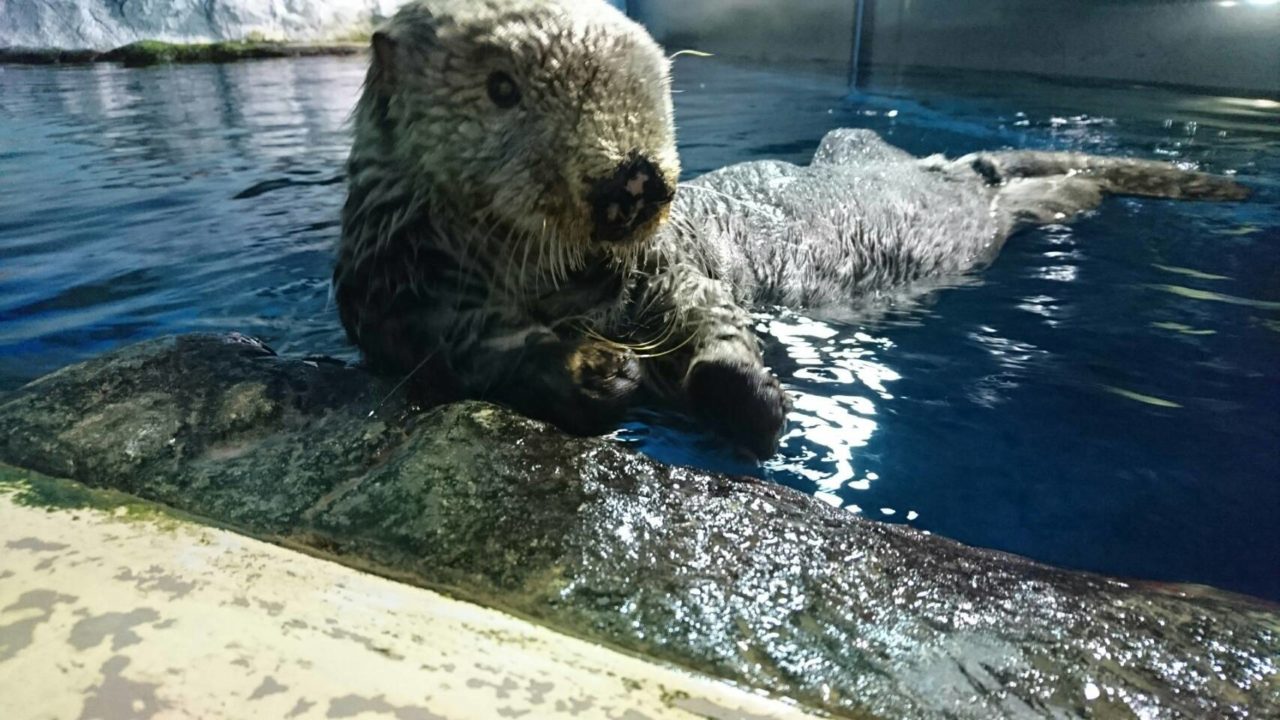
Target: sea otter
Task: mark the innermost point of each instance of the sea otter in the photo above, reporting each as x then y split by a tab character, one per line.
513	231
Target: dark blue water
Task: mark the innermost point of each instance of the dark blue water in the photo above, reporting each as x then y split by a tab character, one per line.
1105	396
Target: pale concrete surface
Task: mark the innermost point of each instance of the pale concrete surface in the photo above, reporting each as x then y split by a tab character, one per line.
104	615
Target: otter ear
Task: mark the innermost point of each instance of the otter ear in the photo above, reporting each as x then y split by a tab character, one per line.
383	70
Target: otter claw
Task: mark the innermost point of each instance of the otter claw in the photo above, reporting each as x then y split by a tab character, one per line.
743	401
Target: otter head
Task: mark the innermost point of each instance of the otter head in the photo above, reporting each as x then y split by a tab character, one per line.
544	118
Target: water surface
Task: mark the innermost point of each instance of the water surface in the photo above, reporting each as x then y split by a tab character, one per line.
1105	396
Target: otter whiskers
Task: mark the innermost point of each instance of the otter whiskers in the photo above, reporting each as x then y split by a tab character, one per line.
691	53
639	348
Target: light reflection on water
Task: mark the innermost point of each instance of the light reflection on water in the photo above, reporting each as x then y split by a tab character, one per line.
1105	396
827	430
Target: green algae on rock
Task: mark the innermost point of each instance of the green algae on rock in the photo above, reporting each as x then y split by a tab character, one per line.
153	52
28	488
741	578
47	56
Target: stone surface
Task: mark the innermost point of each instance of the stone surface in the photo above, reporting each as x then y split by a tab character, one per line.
104	24
747	580
151	52
122	612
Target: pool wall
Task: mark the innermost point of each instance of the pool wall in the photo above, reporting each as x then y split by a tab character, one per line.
764	30
1219	44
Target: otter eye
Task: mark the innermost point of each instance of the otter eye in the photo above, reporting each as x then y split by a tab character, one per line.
503	90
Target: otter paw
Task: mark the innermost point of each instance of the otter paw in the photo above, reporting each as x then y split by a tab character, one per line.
604	372
744	402
603	380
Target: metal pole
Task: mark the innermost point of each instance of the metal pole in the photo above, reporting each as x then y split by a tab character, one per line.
857	44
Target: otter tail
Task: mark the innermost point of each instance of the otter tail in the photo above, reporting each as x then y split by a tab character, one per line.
1044	187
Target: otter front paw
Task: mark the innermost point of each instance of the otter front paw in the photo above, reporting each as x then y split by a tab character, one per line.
604	373
744	402
603	379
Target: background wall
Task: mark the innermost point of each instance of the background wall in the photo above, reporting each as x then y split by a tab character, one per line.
767	30
1210	43
1224	44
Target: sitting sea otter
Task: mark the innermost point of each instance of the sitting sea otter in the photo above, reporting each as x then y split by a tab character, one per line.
512	230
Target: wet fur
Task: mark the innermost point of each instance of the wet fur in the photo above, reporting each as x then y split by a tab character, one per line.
466	259
866	220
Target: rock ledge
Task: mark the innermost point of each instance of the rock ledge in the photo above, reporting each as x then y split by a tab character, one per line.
743	579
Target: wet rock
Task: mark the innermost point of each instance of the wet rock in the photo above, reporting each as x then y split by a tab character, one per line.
151	52
216	425
47	56
747	580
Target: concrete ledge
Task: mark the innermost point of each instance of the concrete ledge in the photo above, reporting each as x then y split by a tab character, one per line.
113	609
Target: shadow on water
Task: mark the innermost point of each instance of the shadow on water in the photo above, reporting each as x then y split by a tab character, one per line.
1105	396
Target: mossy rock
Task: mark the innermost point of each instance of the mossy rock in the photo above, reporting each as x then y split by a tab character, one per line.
154	52
47	56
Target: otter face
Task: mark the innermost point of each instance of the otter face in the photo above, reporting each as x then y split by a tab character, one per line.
549	117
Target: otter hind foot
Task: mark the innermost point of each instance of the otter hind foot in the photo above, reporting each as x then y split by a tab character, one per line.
1163	180
1038	188
1117	176
744	402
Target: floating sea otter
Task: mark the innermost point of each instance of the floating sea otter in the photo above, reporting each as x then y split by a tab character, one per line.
513	230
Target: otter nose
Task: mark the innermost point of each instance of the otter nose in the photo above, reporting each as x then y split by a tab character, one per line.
627	199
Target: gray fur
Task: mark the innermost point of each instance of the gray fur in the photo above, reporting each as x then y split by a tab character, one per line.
467	257
867	220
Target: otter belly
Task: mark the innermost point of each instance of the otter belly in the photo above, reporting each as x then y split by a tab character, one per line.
824	235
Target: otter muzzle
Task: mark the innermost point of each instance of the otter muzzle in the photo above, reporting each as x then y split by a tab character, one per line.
627	200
